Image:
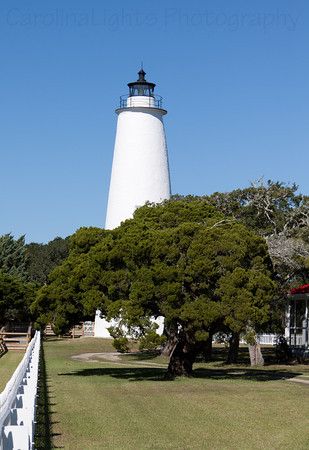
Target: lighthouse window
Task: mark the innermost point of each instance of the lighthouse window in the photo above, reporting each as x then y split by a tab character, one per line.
141	90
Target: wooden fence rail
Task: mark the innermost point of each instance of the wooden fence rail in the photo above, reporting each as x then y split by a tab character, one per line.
15	340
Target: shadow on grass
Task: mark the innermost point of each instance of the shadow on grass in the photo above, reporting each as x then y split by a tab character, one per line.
142	355
3	351
220	355
54	339
158	374
43	430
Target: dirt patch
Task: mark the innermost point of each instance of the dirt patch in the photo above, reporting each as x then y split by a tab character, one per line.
299	380
113	357
94	357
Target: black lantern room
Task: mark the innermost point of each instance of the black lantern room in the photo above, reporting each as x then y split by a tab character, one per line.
141	86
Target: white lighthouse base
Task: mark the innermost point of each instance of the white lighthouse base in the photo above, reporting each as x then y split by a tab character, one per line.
101	325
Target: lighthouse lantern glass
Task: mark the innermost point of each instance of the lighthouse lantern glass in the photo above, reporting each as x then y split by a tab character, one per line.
141	87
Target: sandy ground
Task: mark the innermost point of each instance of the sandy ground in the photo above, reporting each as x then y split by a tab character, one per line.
299	380
94	357
112	357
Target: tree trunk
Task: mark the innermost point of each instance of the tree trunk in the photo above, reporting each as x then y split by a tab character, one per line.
171	342
181	361
233	349
207	349
169	346
255	352
256	357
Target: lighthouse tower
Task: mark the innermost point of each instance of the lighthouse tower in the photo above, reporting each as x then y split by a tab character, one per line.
140	170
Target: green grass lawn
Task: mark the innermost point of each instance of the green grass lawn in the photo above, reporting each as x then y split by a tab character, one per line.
126	404
8	363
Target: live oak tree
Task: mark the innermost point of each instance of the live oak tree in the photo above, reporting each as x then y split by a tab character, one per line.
63	302
182	260
269	208
280	214
245	206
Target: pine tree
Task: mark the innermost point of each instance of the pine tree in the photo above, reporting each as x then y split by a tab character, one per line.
13	259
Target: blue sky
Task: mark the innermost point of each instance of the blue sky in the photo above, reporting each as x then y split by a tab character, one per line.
233	74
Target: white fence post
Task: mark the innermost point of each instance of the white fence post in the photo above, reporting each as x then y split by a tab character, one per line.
18	401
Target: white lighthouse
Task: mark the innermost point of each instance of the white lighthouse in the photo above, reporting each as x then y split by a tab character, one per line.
140	170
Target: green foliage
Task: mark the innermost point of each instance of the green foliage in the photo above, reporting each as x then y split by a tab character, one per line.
85	238
15	298
74	289
171	214
151	341
16	294
250	336
276	211
43	258
116	331
245	296
121	344
283	351
280	214
13	257
268	208
183	260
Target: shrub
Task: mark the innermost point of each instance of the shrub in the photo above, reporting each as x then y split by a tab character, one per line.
121	344
283	351
151	341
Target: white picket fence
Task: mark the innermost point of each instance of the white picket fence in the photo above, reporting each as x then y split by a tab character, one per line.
267	339
18	402
263	339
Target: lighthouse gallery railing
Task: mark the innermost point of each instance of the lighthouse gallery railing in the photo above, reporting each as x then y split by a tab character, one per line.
154	101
